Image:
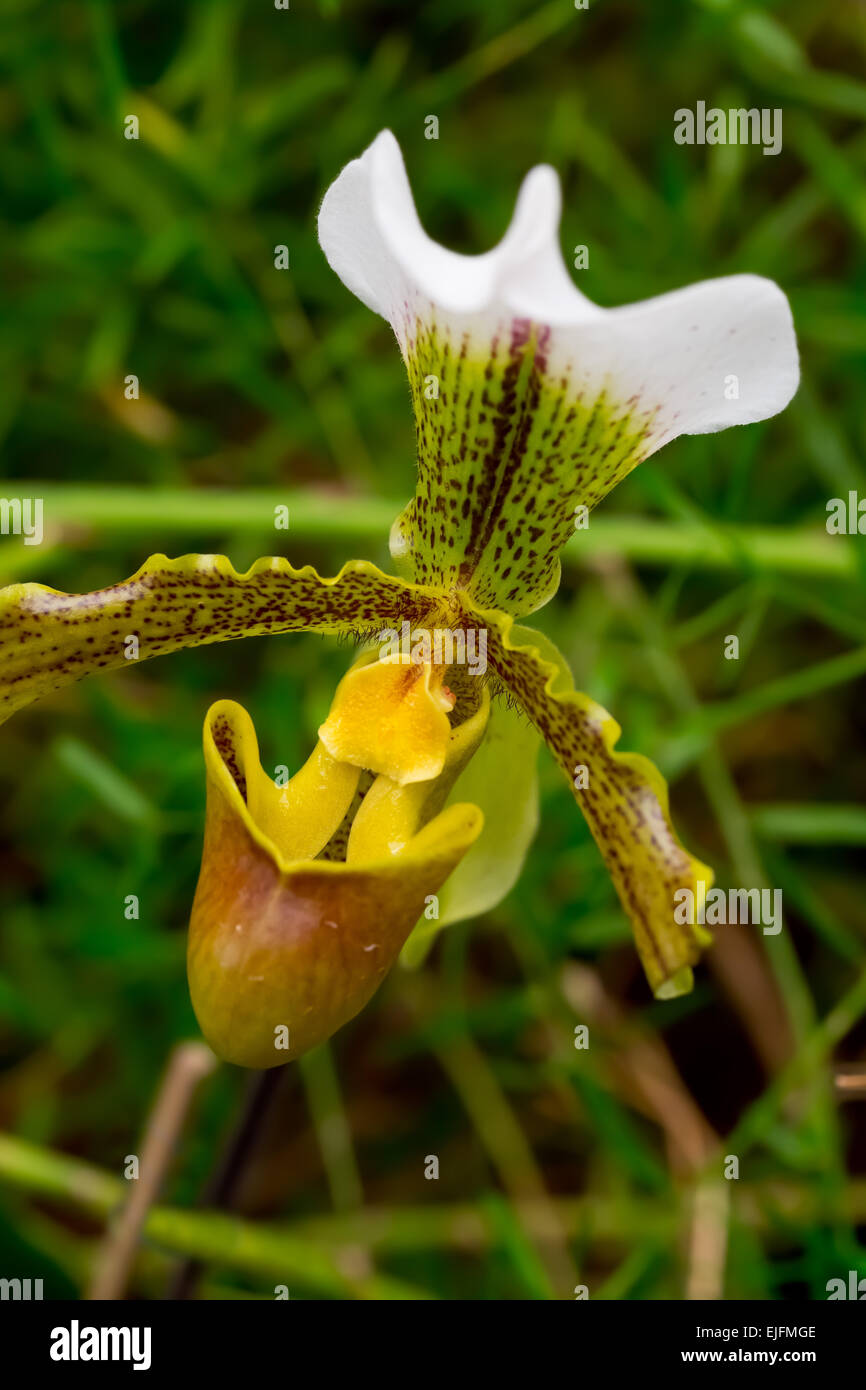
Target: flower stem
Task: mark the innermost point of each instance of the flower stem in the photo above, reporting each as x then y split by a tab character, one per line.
221	1187
188	1065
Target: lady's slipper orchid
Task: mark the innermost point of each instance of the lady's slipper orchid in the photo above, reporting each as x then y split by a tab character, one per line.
530	402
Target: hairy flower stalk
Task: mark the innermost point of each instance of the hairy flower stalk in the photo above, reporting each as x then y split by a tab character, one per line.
531	403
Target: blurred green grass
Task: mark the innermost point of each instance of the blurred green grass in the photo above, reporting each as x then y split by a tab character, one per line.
156	257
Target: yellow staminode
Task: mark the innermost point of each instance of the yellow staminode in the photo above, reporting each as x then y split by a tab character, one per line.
391	718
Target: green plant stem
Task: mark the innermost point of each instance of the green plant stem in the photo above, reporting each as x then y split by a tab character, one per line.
340	517
328	1112
221	1188
208	1236
812	1054
308	1250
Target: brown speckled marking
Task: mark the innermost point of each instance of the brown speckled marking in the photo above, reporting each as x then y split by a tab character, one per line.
49	639
225	742
625	803
505	454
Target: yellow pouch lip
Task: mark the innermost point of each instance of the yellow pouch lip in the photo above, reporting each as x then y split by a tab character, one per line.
283	942
453	829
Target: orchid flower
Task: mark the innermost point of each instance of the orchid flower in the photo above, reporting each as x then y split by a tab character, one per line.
530	403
